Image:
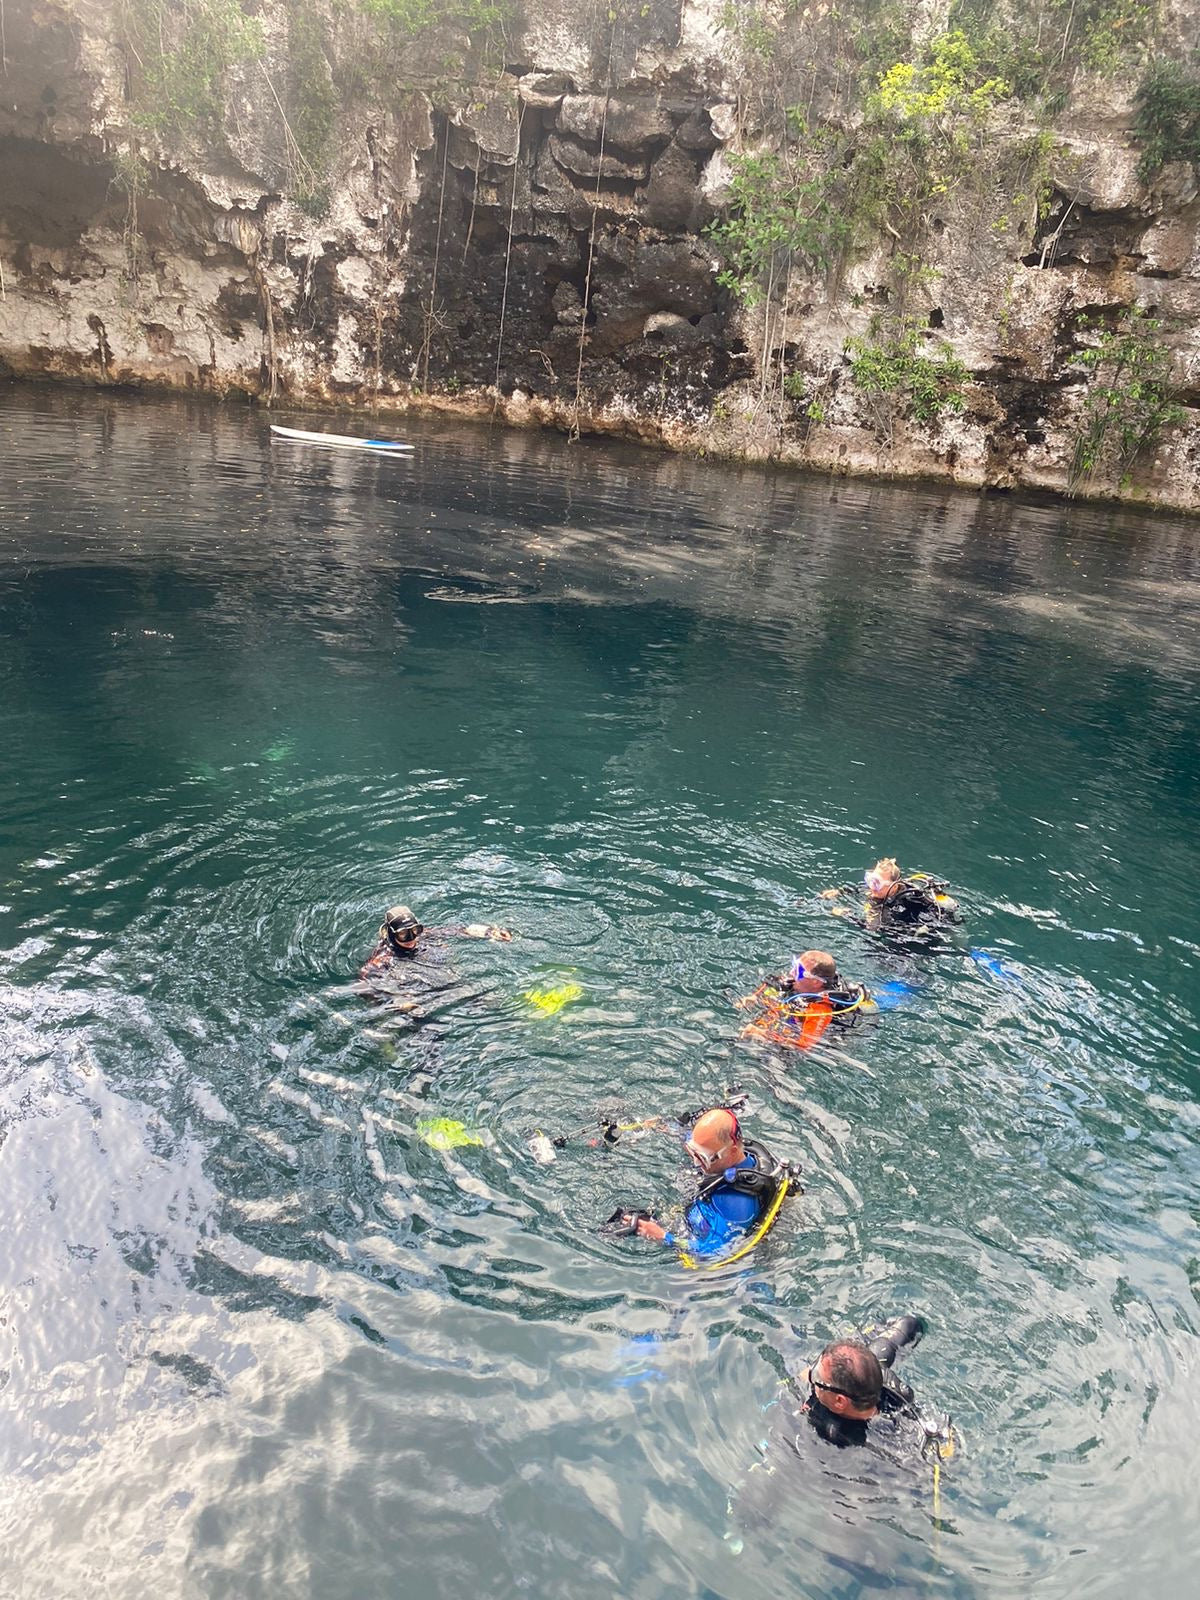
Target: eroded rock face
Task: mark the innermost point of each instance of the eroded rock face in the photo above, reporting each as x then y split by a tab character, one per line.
535	238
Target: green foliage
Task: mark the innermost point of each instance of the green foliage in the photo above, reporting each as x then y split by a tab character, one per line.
182	53
947	82
1167	116
1038	49
1130	400
1112	33
747	23
781	218
312	107
412	18
893	363
809	206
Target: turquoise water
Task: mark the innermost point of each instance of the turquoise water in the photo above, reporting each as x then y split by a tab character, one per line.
258	1338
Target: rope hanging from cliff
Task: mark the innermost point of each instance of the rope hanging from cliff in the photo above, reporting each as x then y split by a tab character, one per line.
512	210
437	254
587	277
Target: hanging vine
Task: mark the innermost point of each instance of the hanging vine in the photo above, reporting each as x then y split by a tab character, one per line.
512	211
587	277
430	317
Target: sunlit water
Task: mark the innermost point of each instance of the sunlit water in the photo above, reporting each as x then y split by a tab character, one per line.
257	1338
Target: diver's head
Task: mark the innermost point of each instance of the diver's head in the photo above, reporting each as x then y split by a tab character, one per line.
716	1141
882	879
847	1379
812	971
401	928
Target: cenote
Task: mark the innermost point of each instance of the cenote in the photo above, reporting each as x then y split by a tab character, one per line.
258	1337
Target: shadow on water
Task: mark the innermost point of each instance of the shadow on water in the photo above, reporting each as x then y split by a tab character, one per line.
259	1335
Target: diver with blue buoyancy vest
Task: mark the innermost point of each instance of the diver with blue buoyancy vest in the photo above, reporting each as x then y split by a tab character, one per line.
740	1190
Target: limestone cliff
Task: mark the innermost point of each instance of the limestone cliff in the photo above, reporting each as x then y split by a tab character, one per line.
887	237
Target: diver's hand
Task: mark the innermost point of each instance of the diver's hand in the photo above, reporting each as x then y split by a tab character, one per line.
830	894
487	930
647	1228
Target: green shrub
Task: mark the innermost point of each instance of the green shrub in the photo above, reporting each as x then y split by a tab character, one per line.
948	81
781	218
1130	400
312	106
182	53
411	18
894	364
1167	116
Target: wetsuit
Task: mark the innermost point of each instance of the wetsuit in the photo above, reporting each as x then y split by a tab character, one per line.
383	959
730	1203
912	906
917	907
895	1397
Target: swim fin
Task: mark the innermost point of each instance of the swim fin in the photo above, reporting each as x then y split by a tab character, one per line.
992	964
892	994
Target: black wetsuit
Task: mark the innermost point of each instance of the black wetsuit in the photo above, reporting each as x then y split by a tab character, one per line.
383	959
895	1400
895	1397
912	906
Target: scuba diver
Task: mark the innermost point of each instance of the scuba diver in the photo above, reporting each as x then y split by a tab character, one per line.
848	1396
400	935
399	944
799	1005
851	1383
897	903
741	1187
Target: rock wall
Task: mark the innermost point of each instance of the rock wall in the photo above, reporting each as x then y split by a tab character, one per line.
514	218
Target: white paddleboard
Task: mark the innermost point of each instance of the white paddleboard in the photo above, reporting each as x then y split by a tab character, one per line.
342	441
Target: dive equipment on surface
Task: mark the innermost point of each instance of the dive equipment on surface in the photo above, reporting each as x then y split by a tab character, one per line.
444	1133
623	1222
893	994
550	1001
541	1149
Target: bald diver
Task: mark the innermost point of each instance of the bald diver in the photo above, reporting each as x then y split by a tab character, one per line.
740	1189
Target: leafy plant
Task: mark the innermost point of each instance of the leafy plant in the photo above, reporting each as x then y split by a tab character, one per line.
892	364
312	107
411	18
1130	400
947	82
781	217
1167	116
182	52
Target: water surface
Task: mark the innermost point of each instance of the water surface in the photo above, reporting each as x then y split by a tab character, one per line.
258	1338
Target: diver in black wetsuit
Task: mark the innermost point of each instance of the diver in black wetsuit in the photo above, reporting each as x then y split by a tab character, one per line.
848	1396
851	1382
399	942
895	903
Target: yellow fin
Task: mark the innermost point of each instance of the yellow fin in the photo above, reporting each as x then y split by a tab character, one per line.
548	1001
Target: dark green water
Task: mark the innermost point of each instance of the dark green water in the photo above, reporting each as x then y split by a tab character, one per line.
259	1339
